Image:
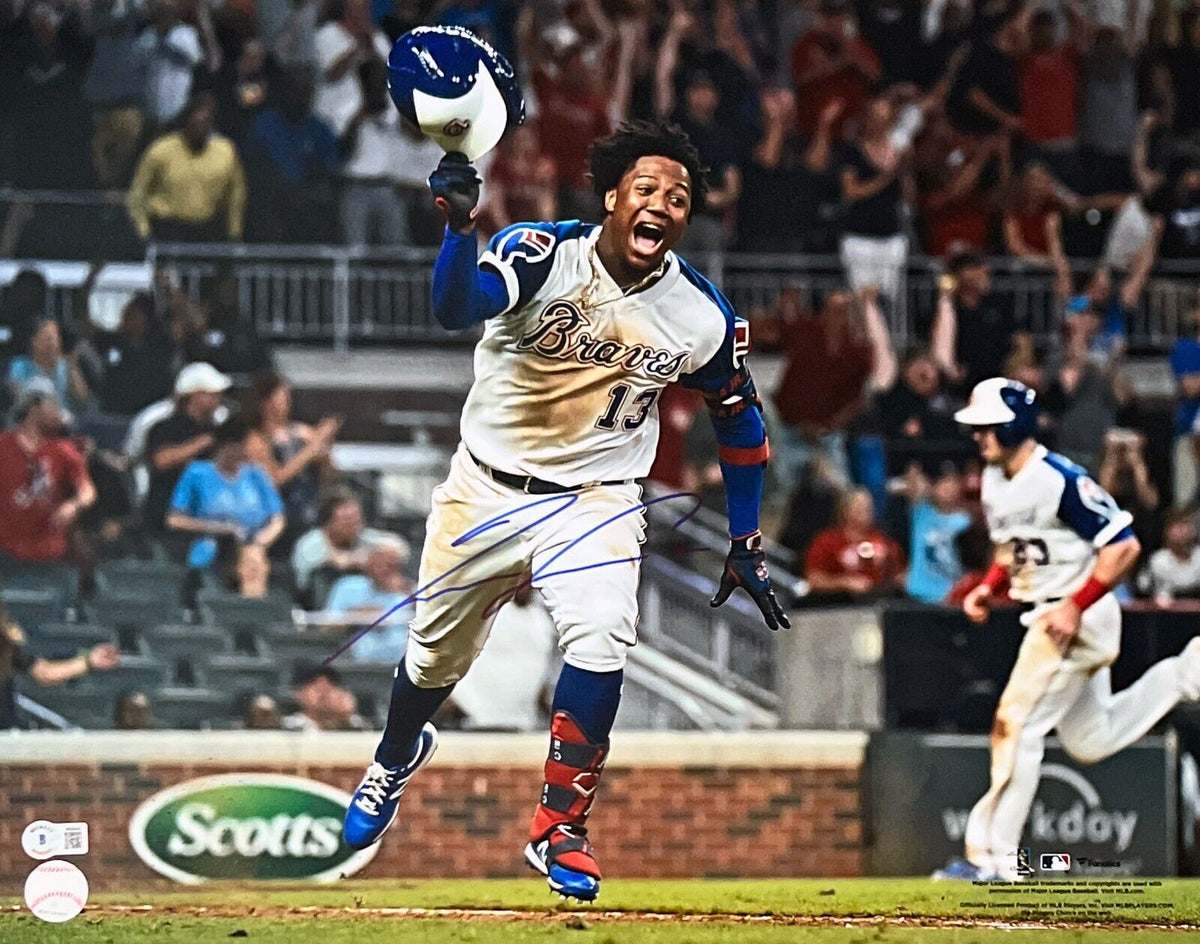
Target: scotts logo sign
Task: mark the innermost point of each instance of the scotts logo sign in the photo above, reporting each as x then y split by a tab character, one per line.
246	826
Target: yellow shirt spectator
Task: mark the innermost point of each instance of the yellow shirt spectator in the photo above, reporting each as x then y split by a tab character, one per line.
189	177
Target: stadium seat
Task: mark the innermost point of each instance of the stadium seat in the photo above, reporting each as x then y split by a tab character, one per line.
190	708
59	577
224	609
170	642
290	647
58	640
137	611
29	607
240	673
131	579
82	702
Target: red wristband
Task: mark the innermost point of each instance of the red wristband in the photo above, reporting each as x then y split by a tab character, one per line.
996	575
1089	593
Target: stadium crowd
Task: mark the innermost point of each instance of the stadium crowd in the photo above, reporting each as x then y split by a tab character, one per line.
1045	131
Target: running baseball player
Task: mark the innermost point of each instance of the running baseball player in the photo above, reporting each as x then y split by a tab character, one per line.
1063	544
583	327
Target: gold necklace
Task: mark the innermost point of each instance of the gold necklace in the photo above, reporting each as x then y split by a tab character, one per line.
593	283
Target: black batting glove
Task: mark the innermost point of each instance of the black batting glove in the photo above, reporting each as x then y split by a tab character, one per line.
455	189
746	567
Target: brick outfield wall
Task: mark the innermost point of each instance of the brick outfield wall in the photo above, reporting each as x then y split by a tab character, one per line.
471	821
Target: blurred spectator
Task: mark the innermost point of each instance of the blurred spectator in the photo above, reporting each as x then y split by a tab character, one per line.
1124	475
1108	110
823	387
169	50
832	62
339	545
214	331
189	185
106	521
45	361
953	173
1181	64
573	111
936	518
322	703
289	29
984	98
677	409
1175	213
344	42
892	28
44	119
521	648
1048	77
241	89
791	196
16	659
226	495
295	455
975	551
1083	392
875	173
382	158
973	328
720	151
132	712
248	573
262	714
1099	296
44	483
381	595
490	20
22	305
520	183
1173	571
135	361
114	87
855	557
1185	365
292	158
915	411
184	435
1033	225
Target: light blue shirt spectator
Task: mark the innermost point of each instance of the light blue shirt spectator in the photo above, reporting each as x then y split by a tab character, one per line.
23	369
354	599
249	500
934	566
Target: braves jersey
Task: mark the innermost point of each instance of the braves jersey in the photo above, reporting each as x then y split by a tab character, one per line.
568	391
1048	521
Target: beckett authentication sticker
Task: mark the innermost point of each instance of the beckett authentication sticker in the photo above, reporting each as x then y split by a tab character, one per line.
44	840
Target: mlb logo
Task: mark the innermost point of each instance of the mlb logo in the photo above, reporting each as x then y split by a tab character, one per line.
1056	862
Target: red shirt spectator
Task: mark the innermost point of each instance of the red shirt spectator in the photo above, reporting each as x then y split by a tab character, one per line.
44	482
1049	89
827	368
855	557
677	408
571	116
521	183
830	62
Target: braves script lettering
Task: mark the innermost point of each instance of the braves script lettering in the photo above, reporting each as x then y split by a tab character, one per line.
512	583
560	333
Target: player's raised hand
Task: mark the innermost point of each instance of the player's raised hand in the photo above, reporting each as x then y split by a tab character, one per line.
455	189
746	567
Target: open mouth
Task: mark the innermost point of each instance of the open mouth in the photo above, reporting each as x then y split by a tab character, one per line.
647	237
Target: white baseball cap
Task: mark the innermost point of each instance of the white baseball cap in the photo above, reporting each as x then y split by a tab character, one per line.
200	378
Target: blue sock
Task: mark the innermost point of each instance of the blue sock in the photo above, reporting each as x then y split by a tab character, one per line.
591	698
408	711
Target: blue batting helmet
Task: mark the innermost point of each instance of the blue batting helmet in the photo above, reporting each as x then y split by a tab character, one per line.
1008	405
455	87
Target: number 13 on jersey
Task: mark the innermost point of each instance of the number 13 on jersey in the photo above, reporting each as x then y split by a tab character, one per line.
639	408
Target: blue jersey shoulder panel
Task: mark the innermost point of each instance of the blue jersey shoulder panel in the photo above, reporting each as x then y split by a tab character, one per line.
523	254
1085	507
731	355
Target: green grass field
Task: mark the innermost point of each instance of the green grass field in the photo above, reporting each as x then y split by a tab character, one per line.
864	911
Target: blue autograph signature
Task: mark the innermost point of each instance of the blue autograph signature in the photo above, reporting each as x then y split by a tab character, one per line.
558	503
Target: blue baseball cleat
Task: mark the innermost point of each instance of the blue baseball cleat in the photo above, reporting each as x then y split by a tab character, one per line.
964	871
377	799
570	883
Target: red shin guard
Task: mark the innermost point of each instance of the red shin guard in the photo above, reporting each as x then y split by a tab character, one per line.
572	775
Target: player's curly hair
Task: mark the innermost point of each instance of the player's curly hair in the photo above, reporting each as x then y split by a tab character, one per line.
611	157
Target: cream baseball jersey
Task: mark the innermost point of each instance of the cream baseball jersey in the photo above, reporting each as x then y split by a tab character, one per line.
567	378
1048	522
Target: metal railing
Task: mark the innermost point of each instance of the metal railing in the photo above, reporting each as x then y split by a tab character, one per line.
347	295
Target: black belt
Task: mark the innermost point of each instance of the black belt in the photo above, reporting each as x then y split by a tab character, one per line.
531	485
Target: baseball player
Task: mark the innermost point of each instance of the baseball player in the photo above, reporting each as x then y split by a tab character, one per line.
1064	544
583	327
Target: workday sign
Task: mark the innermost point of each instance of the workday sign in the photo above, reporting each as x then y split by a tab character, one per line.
246	826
